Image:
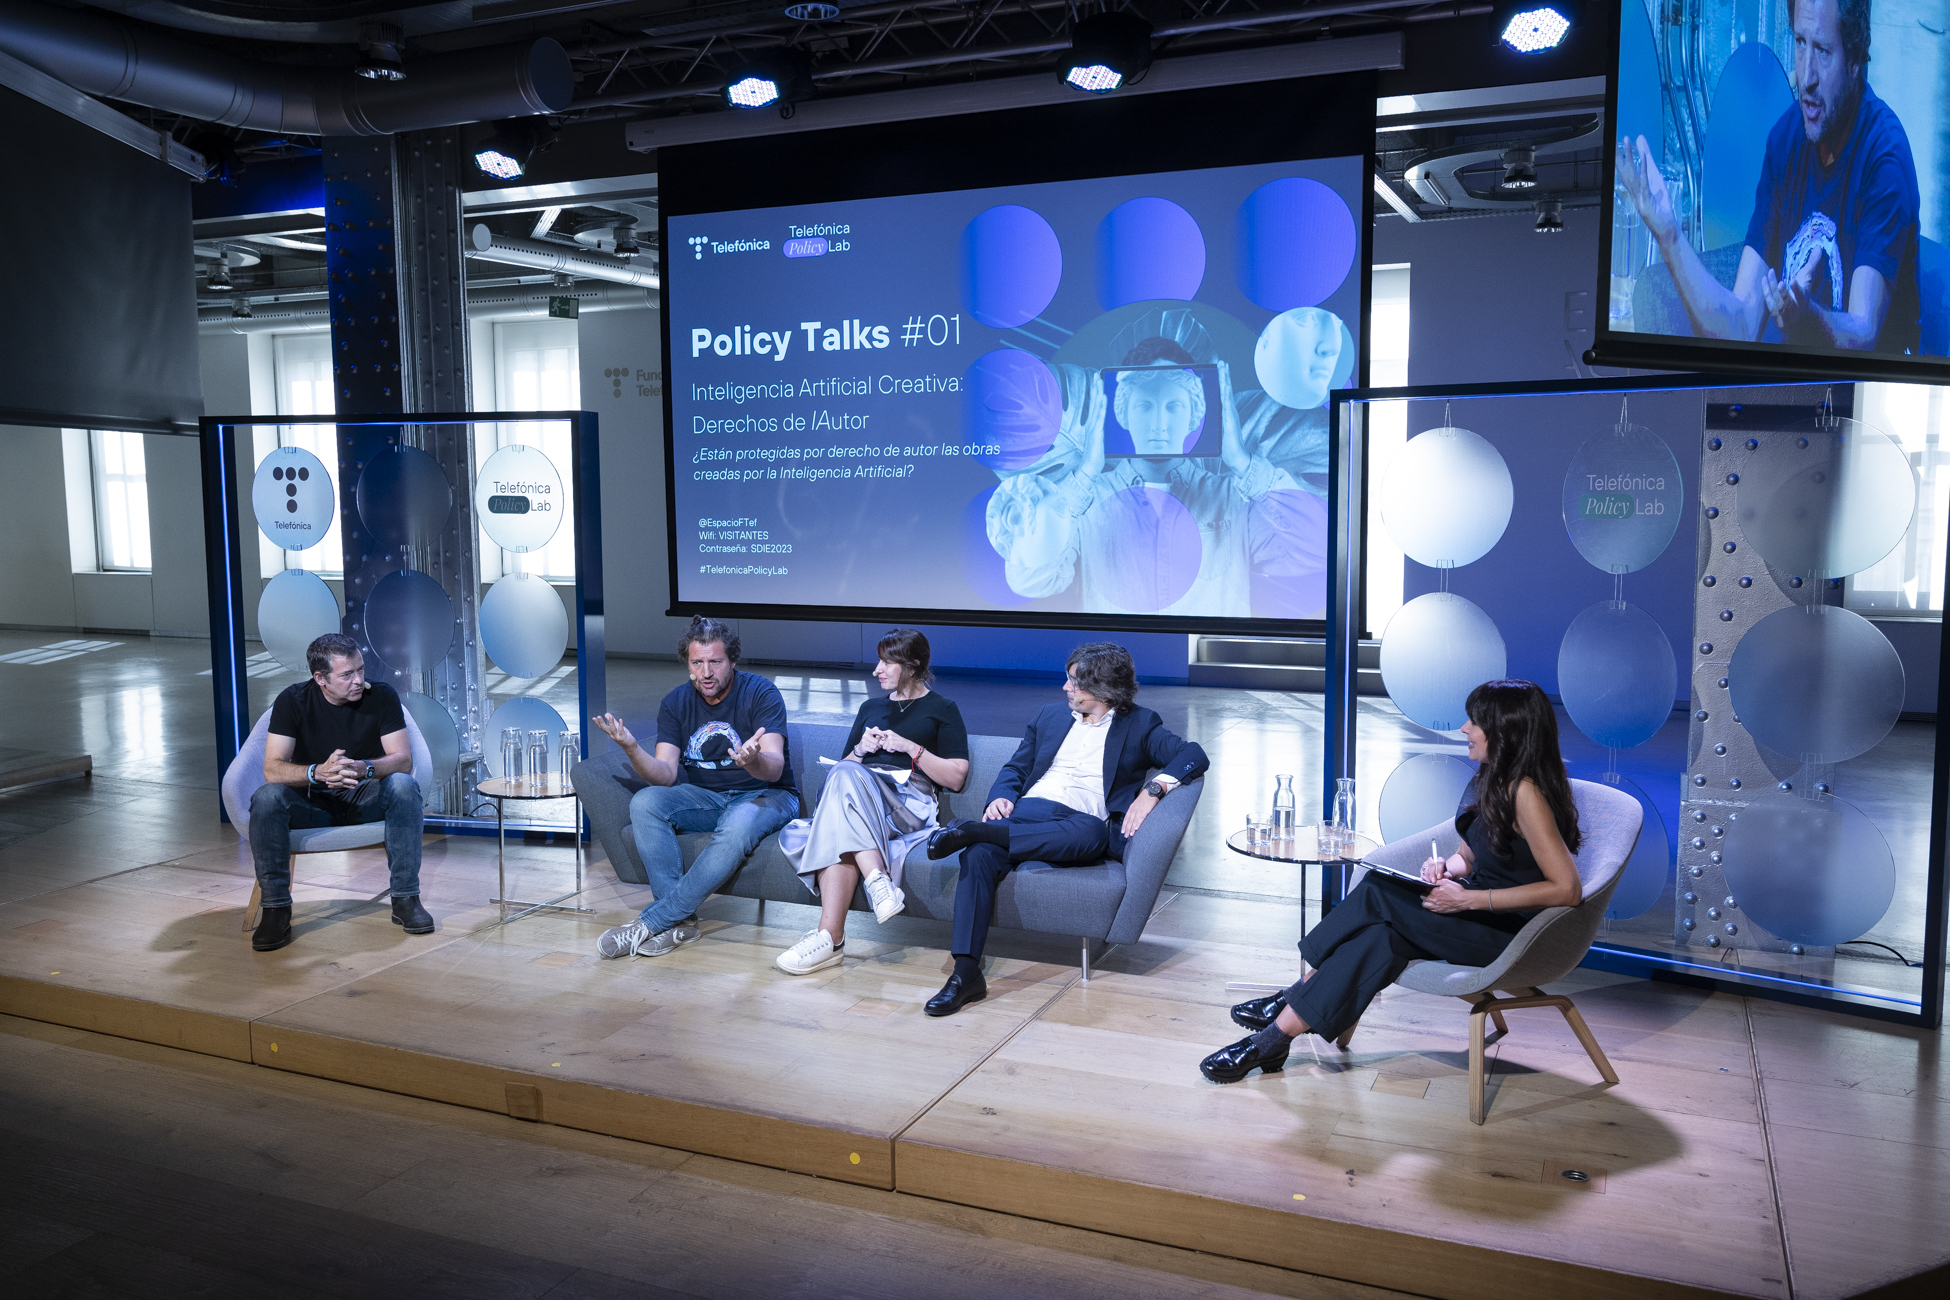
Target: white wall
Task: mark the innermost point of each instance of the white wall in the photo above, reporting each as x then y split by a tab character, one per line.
36	582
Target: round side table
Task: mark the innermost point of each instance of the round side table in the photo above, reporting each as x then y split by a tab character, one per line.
1302	850
550	787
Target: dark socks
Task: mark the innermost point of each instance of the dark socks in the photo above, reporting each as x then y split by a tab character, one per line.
969	968
996	833
1271	1039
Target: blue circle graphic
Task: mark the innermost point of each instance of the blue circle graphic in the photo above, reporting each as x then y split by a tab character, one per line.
1013	409
1616	674
1011	265
1148	248
1297	242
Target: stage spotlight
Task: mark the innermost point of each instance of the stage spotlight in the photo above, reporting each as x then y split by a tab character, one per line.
1550	217
506	153
1534	28
561	282
241	309
626	245
381	52
812	13
772	78
220	279
1520	168
1107	52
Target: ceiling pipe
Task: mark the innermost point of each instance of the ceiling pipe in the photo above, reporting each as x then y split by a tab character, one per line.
484	243
510	302
107	56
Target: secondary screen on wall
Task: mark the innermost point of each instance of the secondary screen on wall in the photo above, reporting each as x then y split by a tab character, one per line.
1101	396
1781	179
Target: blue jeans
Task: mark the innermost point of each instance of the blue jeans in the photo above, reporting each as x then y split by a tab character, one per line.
737	822
278	810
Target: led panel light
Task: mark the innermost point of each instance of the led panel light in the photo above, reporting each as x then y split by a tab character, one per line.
1107	52
752	92
1095	78
1531	31
501	166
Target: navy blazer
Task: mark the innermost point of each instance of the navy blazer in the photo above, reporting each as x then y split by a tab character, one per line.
1138	742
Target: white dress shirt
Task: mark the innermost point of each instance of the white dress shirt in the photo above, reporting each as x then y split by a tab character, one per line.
1076	776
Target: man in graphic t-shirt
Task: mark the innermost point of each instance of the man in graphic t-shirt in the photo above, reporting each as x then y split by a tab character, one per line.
337	754
720	765
1830	255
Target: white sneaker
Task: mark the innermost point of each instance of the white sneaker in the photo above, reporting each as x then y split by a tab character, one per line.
887	901
814	952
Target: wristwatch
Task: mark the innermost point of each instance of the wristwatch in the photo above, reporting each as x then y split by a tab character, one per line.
368	769
1156	789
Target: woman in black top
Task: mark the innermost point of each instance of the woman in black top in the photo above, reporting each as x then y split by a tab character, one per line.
880	800
1518	838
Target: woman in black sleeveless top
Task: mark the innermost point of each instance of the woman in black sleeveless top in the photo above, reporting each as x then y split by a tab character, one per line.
1518	838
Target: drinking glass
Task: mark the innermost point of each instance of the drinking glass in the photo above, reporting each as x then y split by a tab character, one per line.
511	756
1284	807
569	754
538	757
1255	831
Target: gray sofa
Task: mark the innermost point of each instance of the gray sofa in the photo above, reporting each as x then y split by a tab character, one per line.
1110	901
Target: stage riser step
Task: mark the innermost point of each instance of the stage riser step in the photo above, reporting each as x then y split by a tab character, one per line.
1292	652
1277	677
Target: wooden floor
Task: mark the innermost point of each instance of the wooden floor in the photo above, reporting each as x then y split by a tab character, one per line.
1749	1149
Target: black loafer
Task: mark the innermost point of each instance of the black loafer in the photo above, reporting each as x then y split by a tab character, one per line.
409	913
273	929
952	838
1231	1064
957	993
1260	1012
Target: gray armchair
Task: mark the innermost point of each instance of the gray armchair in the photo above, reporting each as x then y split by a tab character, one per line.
245	775
1546	949
1108	902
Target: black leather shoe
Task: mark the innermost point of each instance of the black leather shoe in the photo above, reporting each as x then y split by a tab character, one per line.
957	993
409	913
273	929
1260	1012
1231	1064
952	838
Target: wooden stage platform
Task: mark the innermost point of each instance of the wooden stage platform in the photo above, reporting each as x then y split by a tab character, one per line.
1750	1149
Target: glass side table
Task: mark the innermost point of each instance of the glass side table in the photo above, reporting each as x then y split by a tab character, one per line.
500	791
1303	850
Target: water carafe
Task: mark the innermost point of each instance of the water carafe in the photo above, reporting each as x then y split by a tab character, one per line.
538	758
1284	808
1343	823
569	754
511	756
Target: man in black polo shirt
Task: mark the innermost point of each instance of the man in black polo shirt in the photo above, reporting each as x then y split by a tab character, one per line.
337	755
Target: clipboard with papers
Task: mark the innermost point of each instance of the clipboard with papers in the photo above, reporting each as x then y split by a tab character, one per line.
1410	878
898	775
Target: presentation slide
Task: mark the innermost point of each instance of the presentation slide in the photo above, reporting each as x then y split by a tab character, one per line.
1101	396
1782	185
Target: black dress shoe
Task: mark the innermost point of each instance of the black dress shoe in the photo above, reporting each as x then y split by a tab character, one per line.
1260	1012
1231	1064
957	993
273	929
409	913
952	838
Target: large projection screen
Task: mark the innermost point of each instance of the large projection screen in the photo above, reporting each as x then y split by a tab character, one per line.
1781	190
1079	384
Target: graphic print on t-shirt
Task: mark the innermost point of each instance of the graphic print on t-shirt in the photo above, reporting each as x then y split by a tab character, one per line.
711	745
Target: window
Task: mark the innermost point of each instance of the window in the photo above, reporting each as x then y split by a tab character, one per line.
1387	434
1908	582
121	486
303	366
537	369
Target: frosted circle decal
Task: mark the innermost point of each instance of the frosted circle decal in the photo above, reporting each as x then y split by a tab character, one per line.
1148	248
1810	870
1650	867
409	622
437	729
1447	497
1422	792
1011	265
1437	649
1623	498
296	609
403	496
1616	674
524	713
518	498
292	498
523	625
1817	683
1825	498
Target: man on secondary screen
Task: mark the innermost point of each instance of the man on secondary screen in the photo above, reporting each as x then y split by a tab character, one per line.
1830	254
337	754
720	765
1072	795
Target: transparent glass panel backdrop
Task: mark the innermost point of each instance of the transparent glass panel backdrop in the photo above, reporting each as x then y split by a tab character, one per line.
1388	318
302	371
536	368
1909	580
121	489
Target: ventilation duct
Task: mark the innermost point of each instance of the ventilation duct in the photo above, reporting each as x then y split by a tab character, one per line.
120	60
511	302
540	256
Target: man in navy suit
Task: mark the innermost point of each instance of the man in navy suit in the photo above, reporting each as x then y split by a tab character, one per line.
1070	797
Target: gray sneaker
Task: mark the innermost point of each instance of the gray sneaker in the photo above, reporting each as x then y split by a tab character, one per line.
635	939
